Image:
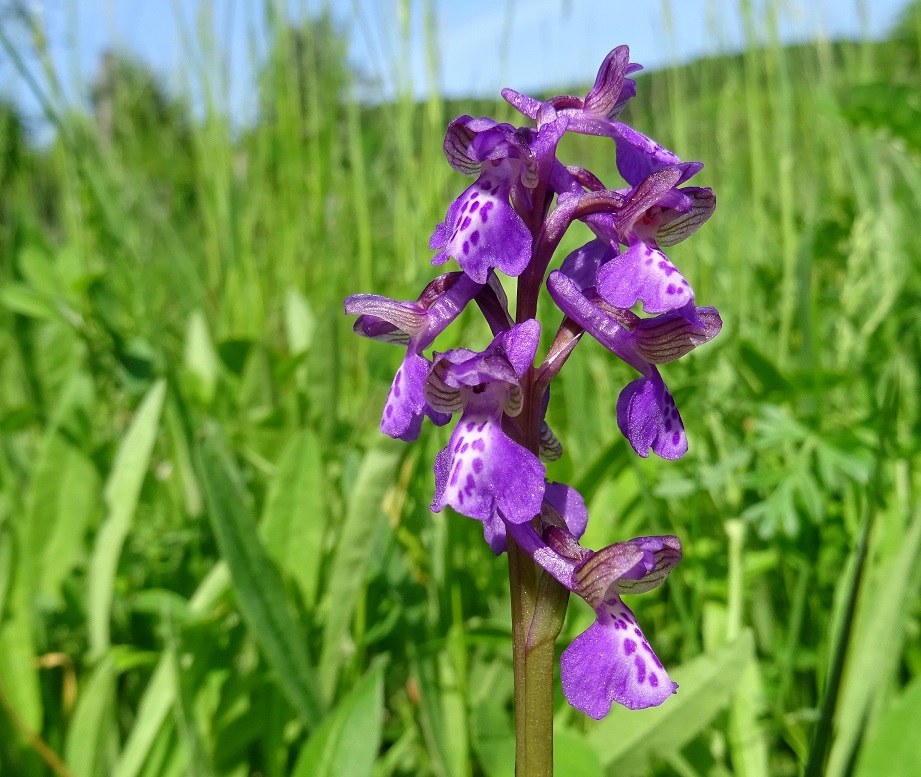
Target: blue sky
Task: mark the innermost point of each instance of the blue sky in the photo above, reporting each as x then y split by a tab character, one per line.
482	45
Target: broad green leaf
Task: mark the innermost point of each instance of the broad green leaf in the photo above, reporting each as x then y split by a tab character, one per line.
64	495
156	704
297	513
122	490
346	582
892	745
626	739
257	582
184	713
40	270
93	727
348	742
748	737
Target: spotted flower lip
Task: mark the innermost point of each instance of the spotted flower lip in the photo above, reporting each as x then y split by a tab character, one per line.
482	473
612	661
482	230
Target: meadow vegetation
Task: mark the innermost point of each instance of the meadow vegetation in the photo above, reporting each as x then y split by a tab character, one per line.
211	562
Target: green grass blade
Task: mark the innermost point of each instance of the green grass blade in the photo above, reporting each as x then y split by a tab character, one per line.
257	582
349	740
121	493
92	730
871	665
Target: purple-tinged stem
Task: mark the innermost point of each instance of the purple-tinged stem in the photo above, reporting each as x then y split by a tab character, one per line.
538	600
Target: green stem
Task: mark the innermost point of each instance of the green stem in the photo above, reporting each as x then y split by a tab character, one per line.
533	663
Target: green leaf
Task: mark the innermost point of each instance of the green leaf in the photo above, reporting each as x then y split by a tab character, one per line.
27	301
92	728
121	497
64	494
748	740
494	738
257	582
892	745
297	513
763	377
348	742
626	739
442	710
347	573
19	681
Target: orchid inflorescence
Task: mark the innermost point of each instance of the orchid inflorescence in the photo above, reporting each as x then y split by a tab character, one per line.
633	301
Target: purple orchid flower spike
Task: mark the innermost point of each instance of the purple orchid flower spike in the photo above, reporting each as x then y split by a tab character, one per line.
483	473
512	220
612	661
415	325
482	230
646	412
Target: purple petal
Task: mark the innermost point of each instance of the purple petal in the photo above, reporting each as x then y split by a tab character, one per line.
522	103
482	230
664	338
612	662
643	274
609	82
610	331
677	226
631	567
458	139
583	263
648	418
482	471
406	405
548	558
569	504
638	156
519	344
382	318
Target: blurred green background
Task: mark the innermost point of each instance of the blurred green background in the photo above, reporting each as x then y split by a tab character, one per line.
211	562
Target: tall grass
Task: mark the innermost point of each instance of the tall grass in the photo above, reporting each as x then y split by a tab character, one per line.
210	561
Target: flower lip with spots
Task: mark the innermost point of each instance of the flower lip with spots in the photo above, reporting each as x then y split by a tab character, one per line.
482	473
